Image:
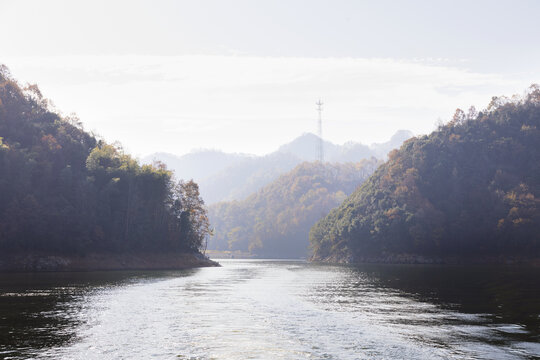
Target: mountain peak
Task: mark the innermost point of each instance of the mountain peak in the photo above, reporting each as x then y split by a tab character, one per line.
401	136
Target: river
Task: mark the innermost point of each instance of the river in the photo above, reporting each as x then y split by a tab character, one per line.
265	309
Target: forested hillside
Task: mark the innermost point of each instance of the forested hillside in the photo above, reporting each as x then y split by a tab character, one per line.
275	221
471	188
64	191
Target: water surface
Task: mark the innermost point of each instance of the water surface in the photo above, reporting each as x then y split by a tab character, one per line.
256	309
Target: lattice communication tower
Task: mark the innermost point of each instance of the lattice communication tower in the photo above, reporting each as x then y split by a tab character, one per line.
320	148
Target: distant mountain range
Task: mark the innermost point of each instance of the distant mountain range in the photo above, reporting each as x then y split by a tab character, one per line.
231	176
304	147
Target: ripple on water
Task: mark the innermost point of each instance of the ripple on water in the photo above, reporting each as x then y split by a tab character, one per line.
270	310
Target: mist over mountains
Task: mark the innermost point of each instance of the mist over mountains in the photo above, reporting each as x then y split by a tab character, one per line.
232	176
304	147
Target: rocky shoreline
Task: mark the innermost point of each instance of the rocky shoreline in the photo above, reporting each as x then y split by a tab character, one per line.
103	261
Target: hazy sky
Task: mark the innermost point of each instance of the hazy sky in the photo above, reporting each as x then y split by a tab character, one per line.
244	75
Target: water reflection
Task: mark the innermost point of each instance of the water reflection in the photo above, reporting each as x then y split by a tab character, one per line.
507	294
42	310
274	310
478	311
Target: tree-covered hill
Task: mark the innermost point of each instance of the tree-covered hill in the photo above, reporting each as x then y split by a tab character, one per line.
469	189
64	191
275	221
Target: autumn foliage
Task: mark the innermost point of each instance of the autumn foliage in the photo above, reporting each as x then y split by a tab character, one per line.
470	188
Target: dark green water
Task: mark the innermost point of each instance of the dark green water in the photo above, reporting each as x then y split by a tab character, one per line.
253	309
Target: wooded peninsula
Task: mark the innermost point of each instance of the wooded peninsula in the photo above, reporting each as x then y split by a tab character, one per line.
64	192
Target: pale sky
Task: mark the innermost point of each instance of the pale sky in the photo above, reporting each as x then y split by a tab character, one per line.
244	76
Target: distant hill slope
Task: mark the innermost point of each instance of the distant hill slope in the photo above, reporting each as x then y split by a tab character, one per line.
471	188
243	178
304	147
275	221
225	177
381	150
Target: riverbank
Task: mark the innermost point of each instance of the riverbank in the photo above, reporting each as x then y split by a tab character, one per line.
224	254
421	259
103	261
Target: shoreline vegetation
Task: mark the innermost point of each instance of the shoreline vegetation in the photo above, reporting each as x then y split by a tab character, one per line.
415	259
24	262
393	259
